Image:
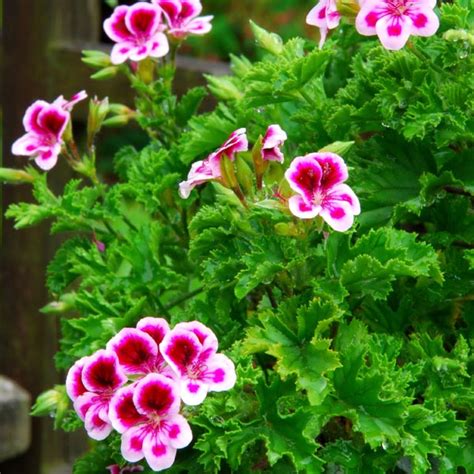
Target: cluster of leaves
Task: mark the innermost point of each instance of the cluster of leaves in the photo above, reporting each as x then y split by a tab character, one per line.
354	350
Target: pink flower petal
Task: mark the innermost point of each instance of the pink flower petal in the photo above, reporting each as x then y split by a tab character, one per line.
121	52
122	412
74	385
368	16
132	443
53	120
97	428
136	350
274	138
200	26
177	431
84	402
201	171
394	31
156	395
304	176
140	52
30	119
342	192
48	158
299	207
220	373
425	22
338	215
159	46
159	456
181	349
206	336
102	372
193	391
171	8
27	145
157	328
115	26
333	167
190	8
143	19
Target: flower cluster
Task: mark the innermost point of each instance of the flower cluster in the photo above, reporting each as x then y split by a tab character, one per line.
393	21
45	125
139	30
136	384
317	178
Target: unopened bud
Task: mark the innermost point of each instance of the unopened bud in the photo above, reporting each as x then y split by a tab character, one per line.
339	148
106	73
13	176
240	65
65	303
117	121
223	87
348	8
98	110
266	40
96	59
244	175
54	402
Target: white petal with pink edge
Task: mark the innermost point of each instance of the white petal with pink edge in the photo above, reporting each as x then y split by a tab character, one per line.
47	159
27	145
159	46
425	22
83	403
205	335
115	26
121	52
143	19
157	328
342	192
96	427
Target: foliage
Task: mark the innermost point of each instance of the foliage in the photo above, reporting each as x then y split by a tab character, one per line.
354	350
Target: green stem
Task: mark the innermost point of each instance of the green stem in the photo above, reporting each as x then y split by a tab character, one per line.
183	298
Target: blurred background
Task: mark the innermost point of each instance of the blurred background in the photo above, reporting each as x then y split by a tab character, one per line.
42	41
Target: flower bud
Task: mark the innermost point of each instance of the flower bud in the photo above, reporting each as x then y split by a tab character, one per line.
348	8
339	148
53	402
266	40
117	121
240	65
14	176
223	87
98	110
244	175
96	59
65	303
228	172
106	73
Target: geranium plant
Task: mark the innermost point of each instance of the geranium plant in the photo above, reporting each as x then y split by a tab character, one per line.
284	284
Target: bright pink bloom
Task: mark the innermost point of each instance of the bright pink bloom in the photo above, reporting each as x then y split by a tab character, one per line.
272	141
393	21
325	16
101	376
236	142
182	17
138	32
318	179
201	171
190	349
45	125
210	168
137	349
74	386
147	415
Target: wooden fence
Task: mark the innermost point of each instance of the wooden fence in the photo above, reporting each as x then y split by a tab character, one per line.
41	59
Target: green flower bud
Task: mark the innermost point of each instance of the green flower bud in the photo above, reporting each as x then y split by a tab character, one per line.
9	175
266	40
340	148
223	87
104	74
97	59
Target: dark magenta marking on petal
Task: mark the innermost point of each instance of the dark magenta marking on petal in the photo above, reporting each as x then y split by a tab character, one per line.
193	387
174	431
156	397
420	20
182	351
159	450
142	20
394	29
337	212
219	376
322	13
371	19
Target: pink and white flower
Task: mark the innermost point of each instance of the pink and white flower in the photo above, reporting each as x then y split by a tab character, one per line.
137	349
200	172
191	351
138	32
318	179
69	104
147	415
44	125
101	376
183	17
210	168
272	141
393	21
325	16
